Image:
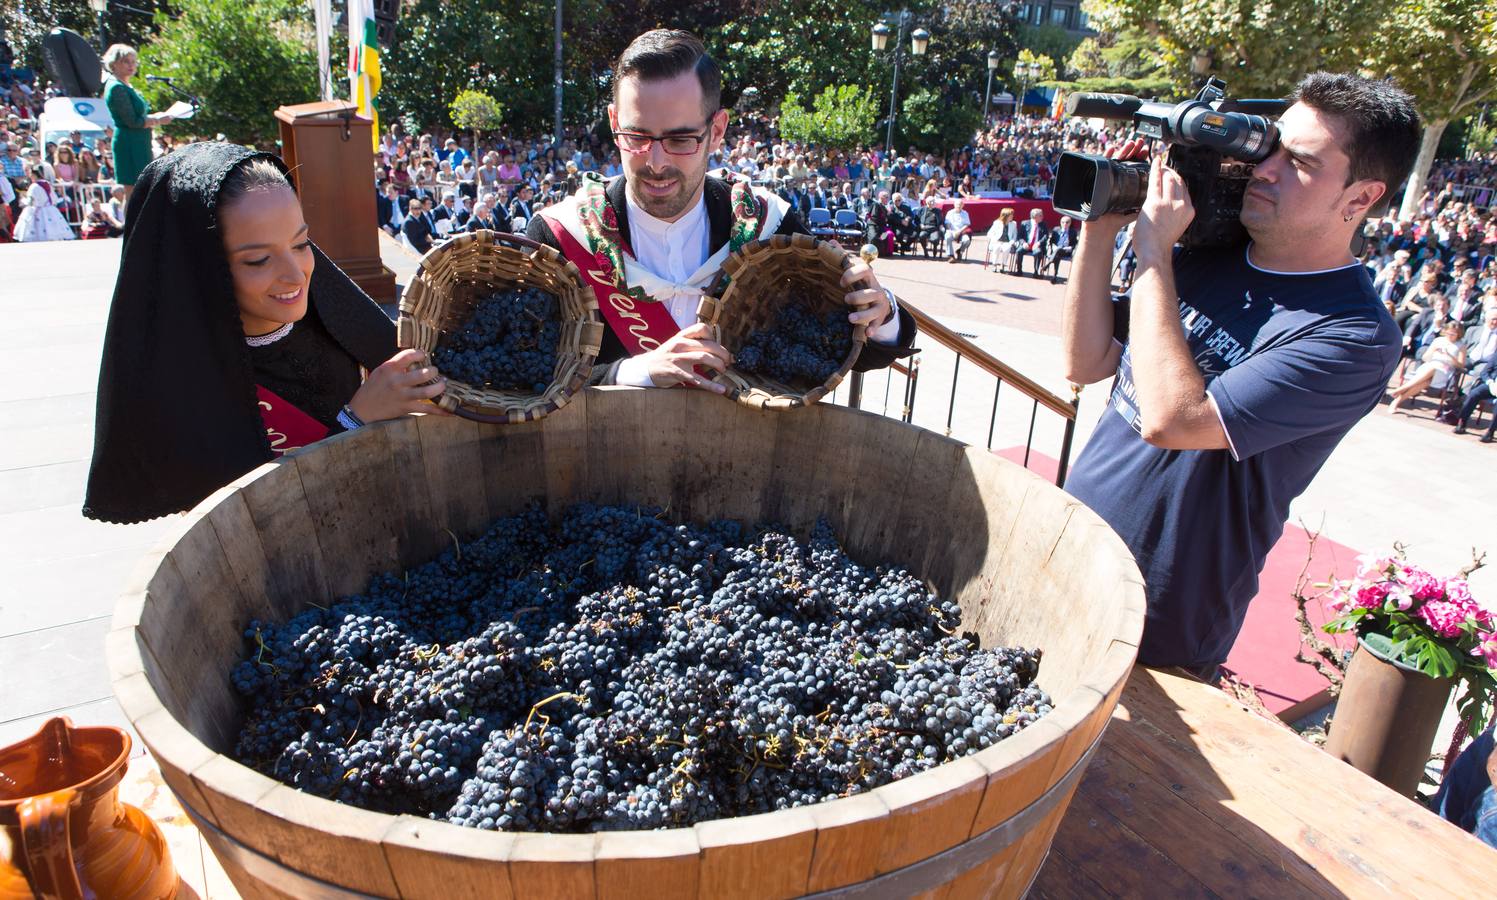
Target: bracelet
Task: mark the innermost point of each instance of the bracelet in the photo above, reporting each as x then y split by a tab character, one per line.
893	307
349	419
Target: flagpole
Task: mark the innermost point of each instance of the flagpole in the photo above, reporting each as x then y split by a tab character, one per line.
322	12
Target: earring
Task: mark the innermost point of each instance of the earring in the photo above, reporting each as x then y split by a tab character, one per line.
1346	218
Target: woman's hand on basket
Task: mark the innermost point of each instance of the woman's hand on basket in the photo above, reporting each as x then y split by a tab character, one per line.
675	361
402	384
867	293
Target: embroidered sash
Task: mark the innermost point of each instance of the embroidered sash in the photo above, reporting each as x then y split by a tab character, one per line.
587	230
287	426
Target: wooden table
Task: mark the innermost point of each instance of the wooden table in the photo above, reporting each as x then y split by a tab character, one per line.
983	211
1189	795
1192	795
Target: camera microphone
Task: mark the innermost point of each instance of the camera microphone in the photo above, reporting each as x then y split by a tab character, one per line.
159	78
1102	106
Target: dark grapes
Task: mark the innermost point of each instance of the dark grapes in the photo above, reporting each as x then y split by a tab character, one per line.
508	343
614	670
800	347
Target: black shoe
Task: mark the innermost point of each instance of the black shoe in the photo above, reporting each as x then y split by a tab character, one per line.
1460	428
1486	438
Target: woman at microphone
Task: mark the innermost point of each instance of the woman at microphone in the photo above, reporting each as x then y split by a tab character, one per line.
132	124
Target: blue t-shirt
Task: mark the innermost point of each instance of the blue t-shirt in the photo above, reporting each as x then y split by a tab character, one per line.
1292	362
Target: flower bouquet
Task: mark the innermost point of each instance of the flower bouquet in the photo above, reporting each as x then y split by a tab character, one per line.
1418	620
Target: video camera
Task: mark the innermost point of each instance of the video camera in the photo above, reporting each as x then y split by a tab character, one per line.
1214	145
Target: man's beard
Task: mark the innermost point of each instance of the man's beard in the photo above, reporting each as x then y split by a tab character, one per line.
669	205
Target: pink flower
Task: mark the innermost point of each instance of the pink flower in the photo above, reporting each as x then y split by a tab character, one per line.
1399	598
1369	565
1340	602
1445	618
1457	590
1421	584
605	265
1371	594
1487	649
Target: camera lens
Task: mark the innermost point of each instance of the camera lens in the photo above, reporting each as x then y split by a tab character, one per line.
1088	187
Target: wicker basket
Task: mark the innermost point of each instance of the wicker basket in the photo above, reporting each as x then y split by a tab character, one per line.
761	273
456	275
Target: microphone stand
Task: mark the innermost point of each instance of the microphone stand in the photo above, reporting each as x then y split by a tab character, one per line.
195	102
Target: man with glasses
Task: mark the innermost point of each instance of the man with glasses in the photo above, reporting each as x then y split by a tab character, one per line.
10	163
650	241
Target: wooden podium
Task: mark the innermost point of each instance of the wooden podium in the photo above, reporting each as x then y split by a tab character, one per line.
328	148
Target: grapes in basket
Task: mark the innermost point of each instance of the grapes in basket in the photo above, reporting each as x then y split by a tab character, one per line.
800	347
508	343
614	670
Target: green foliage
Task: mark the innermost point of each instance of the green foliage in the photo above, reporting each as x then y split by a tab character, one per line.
1049	40
1046	64
842	117
1482	138
1126	63
244	59
786	47
1261	49
477	112
931	123
26	22
1444	52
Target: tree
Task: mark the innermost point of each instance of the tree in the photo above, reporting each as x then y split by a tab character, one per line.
1444	52
244	59
841	117
25	22
1261	48
1126	63
478	112
931	123
1049	40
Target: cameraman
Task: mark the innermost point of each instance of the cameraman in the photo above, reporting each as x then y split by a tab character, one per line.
1213	428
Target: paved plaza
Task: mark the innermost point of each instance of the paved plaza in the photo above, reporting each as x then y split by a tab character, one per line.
1395	478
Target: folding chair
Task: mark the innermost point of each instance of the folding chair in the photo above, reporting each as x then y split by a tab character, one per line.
848	226
820	222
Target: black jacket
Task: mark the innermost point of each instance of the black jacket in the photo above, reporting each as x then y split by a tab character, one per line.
418	232
720	220
1070	236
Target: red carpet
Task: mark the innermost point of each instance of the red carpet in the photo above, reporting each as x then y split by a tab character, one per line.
1264	653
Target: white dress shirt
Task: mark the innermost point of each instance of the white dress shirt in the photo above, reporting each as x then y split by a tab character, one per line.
675	251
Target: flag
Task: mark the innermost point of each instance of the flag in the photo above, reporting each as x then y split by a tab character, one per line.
363	61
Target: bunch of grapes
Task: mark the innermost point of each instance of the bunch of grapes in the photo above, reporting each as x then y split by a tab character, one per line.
508	343
800	347
613	670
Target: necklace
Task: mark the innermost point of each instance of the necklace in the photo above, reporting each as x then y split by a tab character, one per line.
265	340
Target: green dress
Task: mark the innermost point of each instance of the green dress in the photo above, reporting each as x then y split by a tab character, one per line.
132	139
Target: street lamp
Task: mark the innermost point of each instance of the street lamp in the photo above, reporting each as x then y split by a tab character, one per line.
1024	71
993	60
919	41
99	7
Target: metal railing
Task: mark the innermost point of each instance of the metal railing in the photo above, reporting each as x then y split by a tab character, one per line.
965	351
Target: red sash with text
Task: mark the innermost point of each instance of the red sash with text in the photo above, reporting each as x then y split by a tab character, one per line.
287	427
640	325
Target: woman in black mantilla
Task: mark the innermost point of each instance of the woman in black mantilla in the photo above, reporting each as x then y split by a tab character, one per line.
232	339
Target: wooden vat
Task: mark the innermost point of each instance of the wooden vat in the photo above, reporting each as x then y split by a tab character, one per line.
1028	564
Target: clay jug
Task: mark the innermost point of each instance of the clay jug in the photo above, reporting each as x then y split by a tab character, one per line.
63	832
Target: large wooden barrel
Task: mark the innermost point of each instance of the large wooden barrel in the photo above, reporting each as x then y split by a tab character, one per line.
1028	564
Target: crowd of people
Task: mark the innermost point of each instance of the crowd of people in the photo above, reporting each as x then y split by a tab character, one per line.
48	190
894	198
1437	275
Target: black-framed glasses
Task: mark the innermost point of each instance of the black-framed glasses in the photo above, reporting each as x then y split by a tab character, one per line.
674	144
